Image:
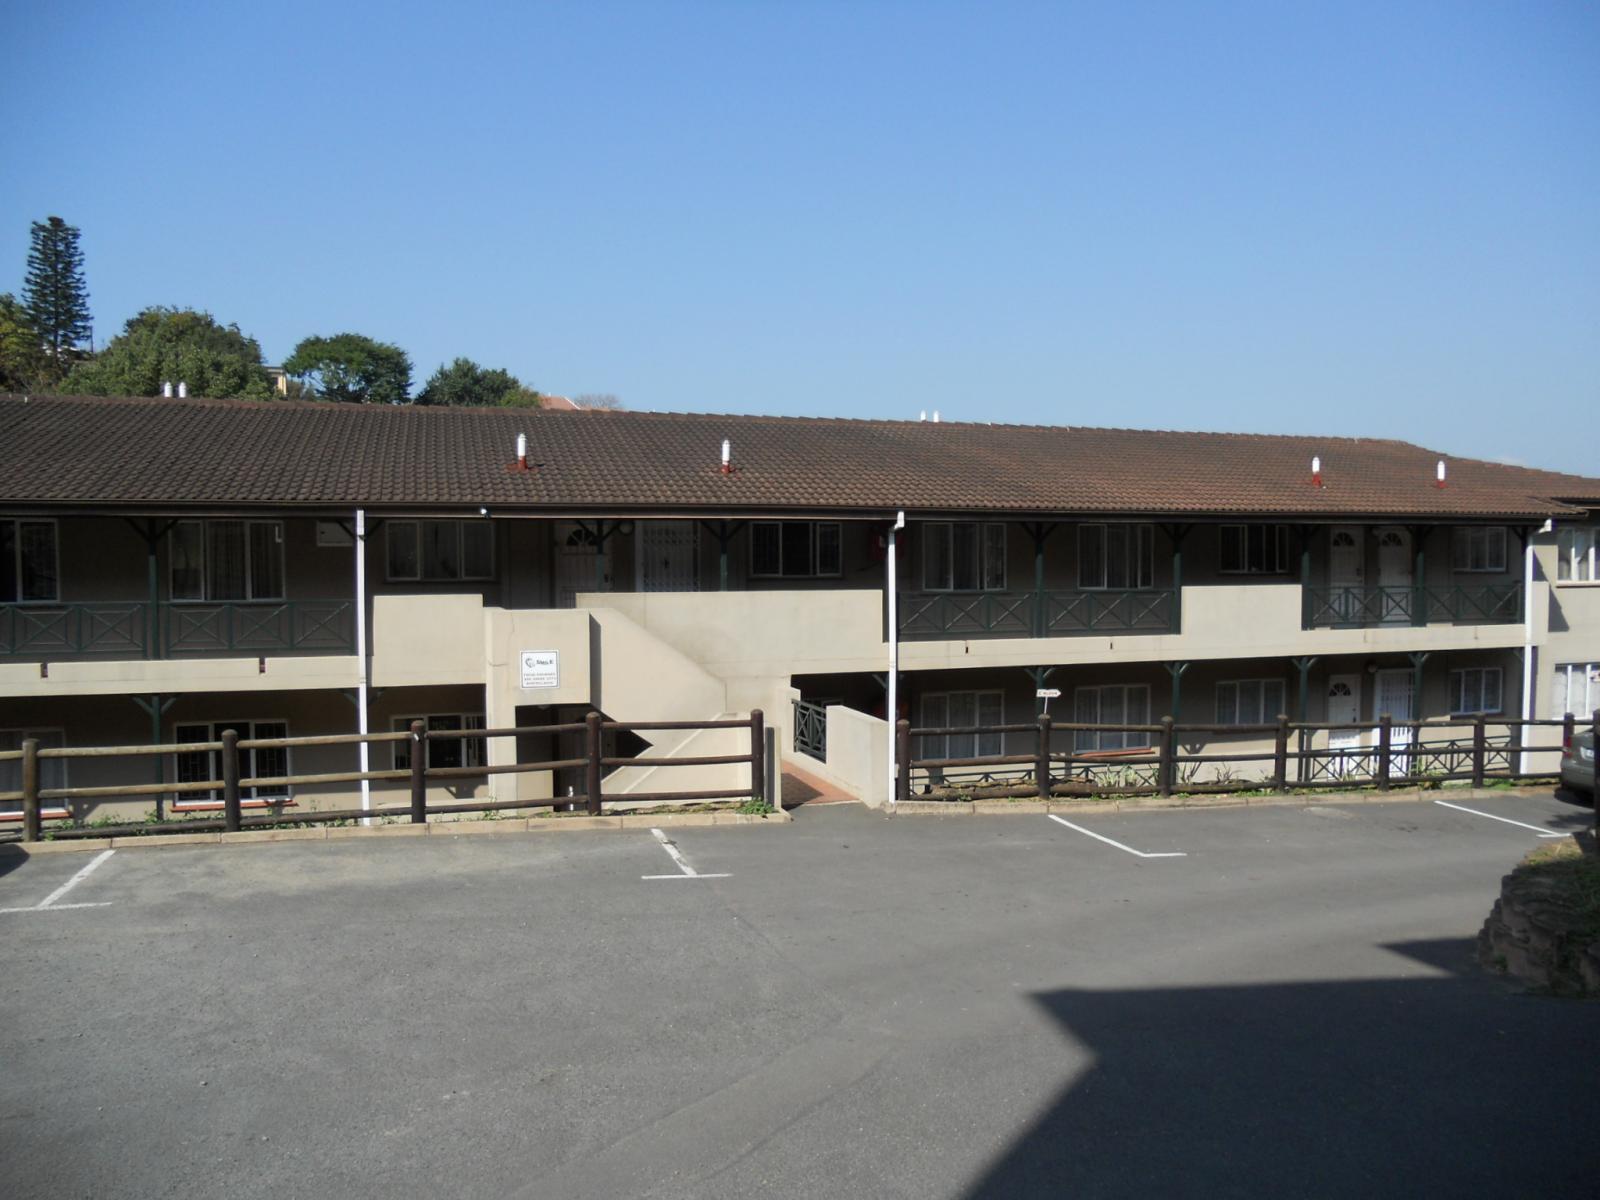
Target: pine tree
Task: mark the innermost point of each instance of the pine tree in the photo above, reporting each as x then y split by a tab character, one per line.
54	293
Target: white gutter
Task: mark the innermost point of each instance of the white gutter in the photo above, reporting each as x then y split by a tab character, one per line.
1527	646
361	660
893	711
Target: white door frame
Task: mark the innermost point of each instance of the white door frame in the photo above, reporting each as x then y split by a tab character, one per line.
1404	577
1398	736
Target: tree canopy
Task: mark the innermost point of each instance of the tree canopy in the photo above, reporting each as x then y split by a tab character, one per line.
464	382
22	358
54	292
175	345
351	368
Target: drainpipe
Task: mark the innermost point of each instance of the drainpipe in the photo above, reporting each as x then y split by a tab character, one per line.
1527	643
361	661
894	654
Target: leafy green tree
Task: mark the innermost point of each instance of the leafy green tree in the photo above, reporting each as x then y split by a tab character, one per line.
21	349
175	345
54	293
465	383
351	368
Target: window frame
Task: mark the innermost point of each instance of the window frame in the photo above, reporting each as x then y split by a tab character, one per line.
1462	548
814	550
1277	542
1260	684
989	556
1140	550
1576	562
16	524
56	809
461	574
1091	741
211	801
471	748
204	524
941	745
1564	674
1458	691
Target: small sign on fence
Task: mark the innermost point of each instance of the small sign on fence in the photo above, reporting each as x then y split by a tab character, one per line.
541	669
1048	694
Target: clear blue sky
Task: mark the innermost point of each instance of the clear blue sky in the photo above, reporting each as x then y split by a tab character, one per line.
1377	219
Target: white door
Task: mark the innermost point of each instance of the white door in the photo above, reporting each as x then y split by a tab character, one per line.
577	568
1395	697
1344	708
1394	576
669	556
1344	573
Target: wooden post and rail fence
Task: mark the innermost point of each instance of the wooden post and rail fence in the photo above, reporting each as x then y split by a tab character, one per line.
1156	768
418	775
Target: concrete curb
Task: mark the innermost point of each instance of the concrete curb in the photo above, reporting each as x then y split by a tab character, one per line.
320	833
990	808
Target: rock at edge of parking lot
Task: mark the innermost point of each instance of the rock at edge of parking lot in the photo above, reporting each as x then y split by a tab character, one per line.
1545	928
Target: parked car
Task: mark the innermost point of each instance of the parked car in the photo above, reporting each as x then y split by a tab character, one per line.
1577	762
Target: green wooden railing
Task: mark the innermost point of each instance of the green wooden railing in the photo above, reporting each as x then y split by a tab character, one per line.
1461	604
1083	612
176	630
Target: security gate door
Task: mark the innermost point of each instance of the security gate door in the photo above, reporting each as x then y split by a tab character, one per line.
669	559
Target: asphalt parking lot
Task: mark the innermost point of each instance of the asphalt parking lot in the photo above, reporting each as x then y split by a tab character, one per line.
848	1006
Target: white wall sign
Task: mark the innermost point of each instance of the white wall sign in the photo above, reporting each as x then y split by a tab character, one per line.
1047	693
541	669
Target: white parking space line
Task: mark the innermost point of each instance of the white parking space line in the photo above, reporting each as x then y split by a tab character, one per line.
685	871
48	904
1540	830
1102	838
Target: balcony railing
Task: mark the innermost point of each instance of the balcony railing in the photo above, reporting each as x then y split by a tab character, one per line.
1361	607
935	615
811	729
168	630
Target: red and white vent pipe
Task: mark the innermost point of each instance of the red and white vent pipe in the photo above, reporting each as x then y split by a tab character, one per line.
522	452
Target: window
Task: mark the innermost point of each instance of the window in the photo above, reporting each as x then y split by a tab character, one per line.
794	549
443	752
945	710
1250	701
226	560
195	766
1116	556
1111	704
439	551
1575	548
1480	549
28	562
964	556
52	771
1575	689
1475	690
1254	549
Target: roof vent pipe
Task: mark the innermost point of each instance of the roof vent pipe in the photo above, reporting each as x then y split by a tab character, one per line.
183	390
166	389
727	457
522	452
923	415
1316	470
1438	474
936	416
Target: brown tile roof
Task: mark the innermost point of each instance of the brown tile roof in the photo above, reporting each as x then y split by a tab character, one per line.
227	453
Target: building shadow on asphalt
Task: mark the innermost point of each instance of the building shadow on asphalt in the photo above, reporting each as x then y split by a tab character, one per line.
1451	1085
12	856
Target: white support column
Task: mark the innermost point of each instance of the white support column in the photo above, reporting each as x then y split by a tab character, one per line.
362	661
1527	648
893	710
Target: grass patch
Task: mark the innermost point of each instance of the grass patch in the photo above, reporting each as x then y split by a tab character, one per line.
1569	880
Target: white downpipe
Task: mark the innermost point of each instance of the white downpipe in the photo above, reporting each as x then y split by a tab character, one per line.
361	658
1527	647
893	711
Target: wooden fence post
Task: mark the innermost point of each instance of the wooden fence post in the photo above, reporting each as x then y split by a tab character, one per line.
230	780
1479	750
1168	766
758	755
419	773
1385	740
1594	783
30	790
1041	758
1280	755
591	770
902	785
1569	726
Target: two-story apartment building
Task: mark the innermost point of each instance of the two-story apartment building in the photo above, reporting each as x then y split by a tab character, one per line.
169	568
